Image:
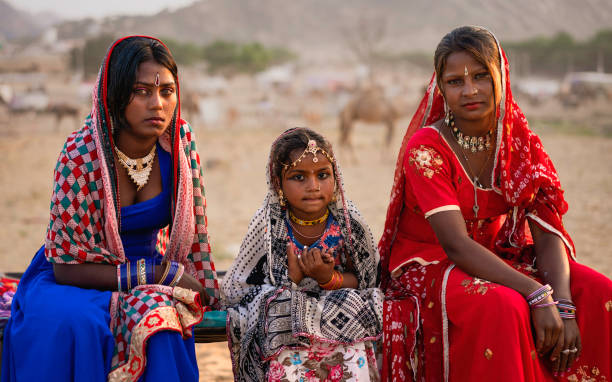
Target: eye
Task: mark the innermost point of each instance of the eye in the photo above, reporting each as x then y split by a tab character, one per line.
482	75
324	175
298	177
454	81
167	91
141	91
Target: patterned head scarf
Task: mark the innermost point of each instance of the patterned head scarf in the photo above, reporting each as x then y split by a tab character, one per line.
257	289
85	217
523	173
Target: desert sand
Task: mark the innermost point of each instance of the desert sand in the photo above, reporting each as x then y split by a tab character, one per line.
235	158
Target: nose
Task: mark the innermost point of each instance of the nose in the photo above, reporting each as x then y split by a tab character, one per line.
313	184
469	87
155	101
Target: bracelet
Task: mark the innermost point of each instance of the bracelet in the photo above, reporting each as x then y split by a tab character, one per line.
150	271
178	275
334	283
170	273
539	295
545	304
119	277
567	309
125	274
142	271
164	273
133	274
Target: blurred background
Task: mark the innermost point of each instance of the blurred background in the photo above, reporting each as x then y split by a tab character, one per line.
249	69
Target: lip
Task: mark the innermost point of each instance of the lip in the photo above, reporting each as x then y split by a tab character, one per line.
472	105
155	120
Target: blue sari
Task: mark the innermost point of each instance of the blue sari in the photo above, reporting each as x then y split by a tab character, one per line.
61	333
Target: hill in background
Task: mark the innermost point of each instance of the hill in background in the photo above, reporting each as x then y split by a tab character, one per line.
321	26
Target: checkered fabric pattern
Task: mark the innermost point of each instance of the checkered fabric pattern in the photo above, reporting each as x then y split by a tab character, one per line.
132	308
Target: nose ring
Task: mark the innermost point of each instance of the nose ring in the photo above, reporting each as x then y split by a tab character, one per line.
474	91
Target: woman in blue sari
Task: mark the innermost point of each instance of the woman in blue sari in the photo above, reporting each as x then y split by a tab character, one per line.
115	290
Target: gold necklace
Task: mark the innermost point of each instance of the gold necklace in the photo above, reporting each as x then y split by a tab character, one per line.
305	236
467	142
138	169
299	221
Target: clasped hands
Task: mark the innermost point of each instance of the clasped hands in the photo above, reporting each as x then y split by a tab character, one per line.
313	263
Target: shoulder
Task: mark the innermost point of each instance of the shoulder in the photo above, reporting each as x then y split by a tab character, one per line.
80	147
428	135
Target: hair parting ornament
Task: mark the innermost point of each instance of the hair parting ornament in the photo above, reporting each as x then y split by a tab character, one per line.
311	148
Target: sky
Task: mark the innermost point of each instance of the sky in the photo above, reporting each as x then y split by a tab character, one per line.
76	9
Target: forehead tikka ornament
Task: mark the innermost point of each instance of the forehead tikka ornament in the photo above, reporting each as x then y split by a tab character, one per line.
311	148
157	80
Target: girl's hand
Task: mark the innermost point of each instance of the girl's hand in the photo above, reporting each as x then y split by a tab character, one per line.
295	270
548	330
313	265
570	340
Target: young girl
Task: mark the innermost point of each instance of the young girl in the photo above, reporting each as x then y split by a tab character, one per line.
301	295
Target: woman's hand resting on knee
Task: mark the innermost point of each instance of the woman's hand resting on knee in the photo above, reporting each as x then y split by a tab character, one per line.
553	336
190	282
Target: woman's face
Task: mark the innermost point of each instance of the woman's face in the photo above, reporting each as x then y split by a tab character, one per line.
153	101
308	186
468	87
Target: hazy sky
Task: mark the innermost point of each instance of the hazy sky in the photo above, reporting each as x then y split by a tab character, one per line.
72	9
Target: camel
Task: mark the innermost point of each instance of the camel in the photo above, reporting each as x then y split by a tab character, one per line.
62	110
371	106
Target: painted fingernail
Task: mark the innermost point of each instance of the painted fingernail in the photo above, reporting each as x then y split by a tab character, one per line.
556	374
553	359
568	370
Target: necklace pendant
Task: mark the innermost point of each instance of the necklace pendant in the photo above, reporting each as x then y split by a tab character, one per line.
475	208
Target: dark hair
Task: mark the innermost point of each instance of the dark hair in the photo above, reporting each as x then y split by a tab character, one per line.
478	42
293	139
123	67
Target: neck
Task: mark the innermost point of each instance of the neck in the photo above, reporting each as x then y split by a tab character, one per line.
134	147
477	127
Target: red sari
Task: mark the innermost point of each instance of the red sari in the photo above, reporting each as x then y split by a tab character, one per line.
441	323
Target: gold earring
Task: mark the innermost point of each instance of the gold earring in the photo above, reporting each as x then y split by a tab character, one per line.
281	198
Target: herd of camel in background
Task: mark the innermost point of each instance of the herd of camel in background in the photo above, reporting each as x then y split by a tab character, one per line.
369	105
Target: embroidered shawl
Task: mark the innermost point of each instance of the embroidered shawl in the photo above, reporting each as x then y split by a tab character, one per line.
85	221
523	174
267	312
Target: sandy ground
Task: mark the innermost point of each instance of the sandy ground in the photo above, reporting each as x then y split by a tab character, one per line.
235	186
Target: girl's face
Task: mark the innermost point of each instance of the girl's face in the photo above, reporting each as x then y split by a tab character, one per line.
468	87
153	101
309	186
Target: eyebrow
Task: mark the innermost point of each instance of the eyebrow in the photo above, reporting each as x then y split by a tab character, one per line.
478	69
326	167
153	85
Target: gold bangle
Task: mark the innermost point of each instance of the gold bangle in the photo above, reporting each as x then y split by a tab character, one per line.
178	275
166	270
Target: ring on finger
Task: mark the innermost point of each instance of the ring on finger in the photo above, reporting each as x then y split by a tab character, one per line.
566	351
574	350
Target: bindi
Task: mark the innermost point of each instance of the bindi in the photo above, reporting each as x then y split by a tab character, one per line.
157	80
465	71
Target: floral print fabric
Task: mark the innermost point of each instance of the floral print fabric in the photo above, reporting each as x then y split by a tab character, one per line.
325	362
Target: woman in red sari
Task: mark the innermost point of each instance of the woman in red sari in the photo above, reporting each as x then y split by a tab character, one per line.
478	270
